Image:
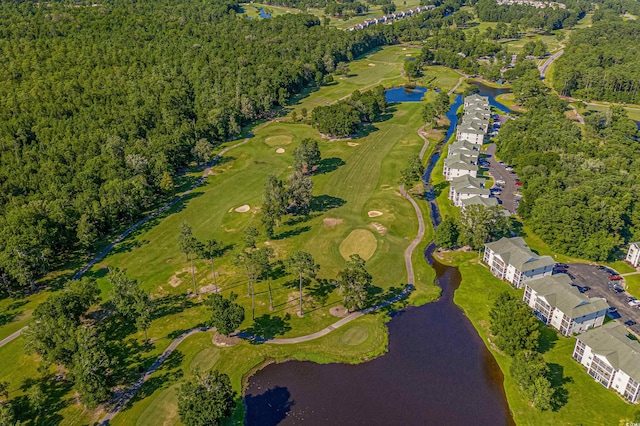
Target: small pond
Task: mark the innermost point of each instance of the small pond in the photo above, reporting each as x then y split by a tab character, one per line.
492	92
405	94
263	14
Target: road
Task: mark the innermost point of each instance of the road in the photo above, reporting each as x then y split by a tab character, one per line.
598	280
498	172
545	66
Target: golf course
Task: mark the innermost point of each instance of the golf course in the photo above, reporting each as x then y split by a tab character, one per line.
357	209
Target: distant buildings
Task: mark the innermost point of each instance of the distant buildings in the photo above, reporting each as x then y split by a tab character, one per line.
391	17
633	255
559	304
511	259
532	3
612	358
476	120
457	165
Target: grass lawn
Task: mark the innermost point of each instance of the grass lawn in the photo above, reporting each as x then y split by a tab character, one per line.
586	402
633	112
355	177
363	339
633	284
253	10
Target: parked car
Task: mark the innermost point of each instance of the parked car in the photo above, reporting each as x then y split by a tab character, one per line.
612	310
584	288
561	265
615	277
630	298
634	303
629	323
500	182
501	163
602	267
509	169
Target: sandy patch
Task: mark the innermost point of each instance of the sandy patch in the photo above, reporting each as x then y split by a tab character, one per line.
280	151
175	280
208	288
231	209
352	144
374	213
331	222
404	48
243	209
386	187
372	65
379	228
338	311
408	54
224	341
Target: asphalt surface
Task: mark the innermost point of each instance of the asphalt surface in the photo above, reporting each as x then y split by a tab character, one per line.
545	66
598	280
497	171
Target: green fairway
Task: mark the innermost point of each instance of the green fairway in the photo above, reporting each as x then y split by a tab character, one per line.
584	402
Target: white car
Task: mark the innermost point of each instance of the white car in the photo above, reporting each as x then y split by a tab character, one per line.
634	303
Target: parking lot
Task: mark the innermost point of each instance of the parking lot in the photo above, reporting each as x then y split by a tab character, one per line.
598	280
498	172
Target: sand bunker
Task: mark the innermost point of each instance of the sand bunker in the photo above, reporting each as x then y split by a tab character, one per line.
372	65
331	222
280	151
243	209
175	280
374	213
379	228
338	311
408	54
404	48
352	144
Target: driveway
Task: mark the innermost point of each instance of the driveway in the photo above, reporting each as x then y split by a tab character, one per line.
498	172
598	280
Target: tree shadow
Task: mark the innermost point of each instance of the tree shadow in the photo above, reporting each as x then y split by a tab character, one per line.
437	189
328	165
170	305
364	131
292	232
54	389
323	203
130	358
269	408
375	295
320	290
172	374
266	327
547	339
558	380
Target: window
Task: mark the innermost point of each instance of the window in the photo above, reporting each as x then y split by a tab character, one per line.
631	392
600	371
578	352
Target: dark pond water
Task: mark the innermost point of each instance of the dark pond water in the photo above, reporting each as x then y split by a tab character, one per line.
405	94
437	372
492	92
637	124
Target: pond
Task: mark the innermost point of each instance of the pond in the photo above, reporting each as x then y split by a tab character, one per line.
437	371
263	14
492	92
405	94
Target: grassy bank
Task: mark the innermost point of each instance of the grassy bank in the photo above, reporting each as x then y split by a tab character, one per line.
582	401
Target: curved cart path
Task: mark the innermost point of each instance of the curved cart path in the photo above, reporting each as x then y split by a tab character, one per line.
144	220
128	395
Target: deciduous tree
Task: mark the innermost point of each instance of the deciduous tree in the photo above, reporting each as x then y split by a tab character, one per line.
354	282
302	264
226	314
206	400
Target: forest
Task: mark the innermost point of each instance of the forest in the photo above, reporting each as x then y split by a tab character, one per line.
531	17
601	63
102	105
581	189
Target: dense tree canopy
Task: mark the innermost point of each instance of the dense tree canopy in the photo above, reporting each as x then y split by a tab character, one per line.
602	63
581	193
101	105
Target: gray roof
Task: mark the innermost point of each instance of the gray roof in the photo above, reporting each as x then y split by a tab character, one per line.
559	292
475	98
460	162
466	128
467	184
516	252
464	146
612	342
487	202
461	151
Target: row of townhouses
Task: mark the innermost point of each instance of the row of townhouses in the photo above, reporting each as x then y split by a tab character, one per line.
461	165
392	17
607	351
